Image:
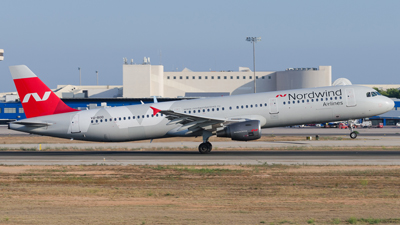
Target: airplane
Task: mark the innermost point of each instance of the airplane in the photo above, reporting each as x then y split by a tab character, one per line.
239	117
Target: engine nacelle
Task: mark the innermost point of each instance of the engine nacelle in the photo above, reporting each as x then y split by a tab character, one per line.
242	131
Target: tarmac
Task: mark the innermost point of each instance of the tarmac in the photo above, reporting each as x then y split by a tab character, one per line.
172	153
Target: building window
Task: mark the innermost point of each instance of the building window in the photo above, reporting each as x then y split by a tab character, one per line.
256	77
212	77
244	77
231	77
194	77
269	77
206	77
263	77
250	77
174	77
238	77
187	77
180	77
199	77
225	77
10	110
168	77
20	110
219	77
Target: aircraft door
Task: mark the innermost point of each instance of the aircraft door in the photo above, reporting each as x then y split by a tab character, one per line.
350	97
75	124
273	106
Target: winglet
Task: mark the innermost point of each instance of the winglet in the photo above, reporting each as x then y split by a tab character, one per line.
155	111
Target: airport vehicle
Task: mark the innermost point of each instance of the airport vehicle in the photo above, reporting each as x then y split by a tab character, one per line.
380	125
398	124
239	117
343	126
366	124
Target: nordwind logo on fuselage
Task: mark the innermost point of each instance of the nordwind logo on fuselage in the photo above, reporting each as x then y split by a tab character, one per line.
313	94
36	97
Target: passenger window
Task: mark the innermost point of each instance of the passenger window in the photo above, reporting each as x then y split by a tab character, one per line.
247	106
302	101
184	111
142	116
208	110
124	118
97	121
298	101
260	105
91	121
288	102
119	118
316	99
312	100
101	121
237	107
242	107
190	111
284	103
335	98
322	99
230	107
212	109
223	108
115	119
204	110
255	105
294	102
331	98
105	120
133	117
251	106
198	111
308	100
217	109
147	116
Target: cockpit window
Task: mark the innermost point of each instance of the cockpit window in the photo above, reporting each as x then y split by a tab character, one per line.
373	94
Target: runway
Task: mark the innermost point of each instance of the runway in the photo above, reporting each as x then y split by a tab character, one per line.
194	158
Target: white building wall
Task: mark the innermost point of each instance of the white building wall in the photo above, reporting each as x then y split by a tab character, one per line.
151	80
296	79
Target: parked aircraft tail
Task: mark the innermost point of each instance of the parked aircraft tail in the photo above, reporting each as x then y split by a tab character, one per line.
36	98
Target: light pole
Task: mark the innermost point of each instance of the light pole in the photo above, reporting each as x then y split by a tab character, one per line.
80	80
97	74
254	40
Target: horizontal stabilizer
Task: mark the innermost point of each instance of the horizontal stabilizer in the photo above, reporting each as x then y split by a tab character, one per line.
32	124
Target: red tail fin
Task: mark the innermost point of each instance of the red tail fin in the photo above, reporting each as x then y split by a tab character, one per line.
36	98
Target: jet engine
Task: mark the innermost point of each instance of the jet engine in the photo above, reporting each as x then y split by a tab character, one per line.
242	131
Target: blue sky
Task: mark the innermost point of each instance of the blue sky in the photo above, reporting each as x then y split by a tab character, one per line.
359	39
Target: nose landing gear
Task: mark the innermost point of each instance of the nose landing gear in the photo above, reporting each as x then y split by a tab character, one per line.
353	134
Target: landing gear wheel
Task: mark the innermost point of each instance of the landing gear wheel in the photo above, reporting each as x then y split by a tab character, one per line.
205	148
353	135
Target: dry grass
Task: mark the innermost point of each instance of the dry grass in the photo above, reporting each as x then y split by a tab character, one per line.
271	194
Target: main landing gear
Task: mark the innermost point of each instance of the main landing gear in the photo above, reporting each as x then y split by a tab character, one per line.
206	146
353	134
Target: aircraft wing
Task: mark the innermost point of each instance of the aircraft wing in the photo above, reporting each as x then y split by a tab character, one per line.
194	123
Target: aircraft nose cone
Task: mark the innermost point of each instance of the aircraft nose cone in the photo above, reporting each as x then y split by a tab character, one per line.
389	104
